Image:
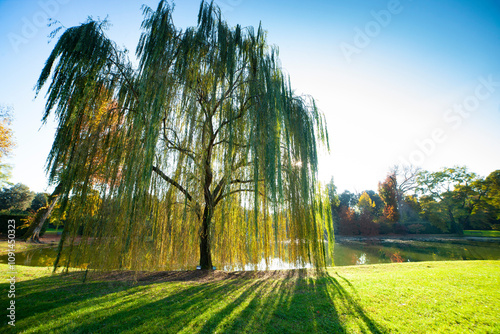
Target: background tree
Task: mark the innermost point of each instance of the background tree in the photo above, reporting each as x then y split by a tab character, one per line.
365	204
491	200
332	195
6	142
366	216
379	203
357	214
213	156
39	201
334	203
451	195
348	199
406	181
410	209
17	197
347	214
348	221
388	191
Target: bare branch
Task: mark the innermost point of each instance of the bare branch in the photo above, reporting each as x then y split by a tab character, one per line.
246	181
172	182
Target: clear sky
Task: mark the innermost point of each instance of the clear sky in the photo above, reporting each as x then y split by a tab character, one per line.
399	81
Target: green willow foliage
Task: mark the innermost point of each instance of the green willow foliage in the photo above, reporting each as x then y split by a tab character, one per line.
201	155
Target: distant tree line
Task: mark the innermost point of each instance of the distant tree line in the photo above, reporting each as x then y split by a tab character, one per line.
414	201
408	201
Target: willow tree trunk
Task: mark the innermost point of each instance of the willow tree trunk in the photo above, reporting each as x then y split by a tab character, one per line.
41	216
205	252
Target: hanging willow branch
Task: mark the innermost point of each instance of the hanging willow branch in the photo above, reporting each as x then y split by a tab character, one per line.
202	155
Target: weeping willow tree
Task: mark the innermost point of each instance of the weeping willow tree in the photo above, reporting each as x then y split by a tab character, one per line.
201	155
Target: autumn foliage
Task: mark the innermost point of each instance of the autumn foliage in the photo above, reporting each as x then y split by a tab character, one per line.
388	193
354	223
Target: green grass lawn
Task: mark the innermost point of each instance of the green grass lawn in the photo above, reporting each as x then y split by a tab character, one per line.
53	230
425	297
475	233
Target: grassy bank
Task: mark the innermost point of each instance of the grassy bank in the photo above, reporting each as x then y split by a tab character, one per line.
437	297
476	233
22	246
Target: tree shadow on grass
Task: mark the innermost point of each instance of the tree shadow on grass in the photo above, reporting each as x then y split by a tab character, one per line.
294	302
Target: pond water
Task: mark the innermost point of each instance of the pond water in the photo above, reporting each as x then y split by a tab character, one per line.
386	250
347	252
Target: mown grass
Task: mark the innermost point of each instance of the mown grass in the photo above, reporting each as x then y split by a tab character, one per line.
425	297
53	231
477	233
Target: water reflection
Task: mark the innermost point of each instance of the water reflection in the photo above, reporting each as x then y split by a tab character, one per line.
271	264
361	259
356	252
40	257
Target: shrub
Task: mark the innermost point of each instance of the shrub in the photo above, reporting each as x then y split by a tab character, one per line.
19	218
416	228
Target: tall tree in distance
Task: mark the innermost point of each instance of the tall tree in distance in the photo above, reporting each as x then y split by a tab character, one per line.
365	203
491	201
406	180
334	206
212	159
388	191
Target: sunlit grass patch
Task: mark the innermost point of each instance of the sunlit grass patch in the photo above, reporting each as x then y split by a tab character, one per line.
477	233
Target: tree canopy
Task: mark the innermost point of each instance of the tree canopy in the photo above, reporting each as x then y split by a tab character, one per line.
365	203
17	197
459	198
39	201
200	155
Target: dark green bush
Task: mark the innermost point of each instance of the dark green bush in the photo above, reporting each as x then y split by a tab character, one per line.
19	219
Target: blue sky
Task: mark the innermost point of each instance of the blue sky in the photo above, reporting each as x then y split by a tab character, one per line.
398	81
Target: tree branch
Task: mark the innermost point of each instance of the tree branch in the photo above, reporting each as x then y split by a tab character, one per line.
176	146
246	181
172	182
225	141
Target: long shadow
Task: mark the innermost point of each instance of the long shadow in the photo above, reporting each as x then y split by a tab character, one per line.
366	324
250	303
